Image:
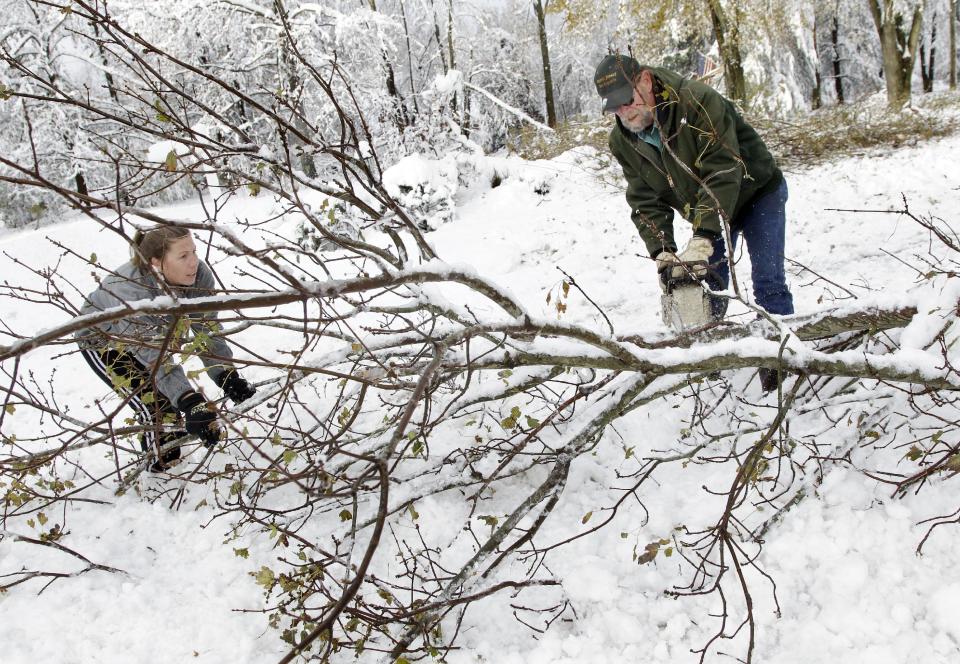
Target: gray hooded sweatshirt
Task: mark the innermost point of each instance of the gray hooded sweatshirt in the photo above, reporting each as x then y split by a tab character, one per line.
142	335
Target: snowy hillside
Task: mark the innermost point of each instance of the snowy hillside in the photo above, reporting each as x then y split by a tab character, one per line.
844	581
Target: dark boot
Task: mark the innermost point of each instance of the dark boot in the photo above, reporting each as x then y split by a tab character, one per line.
171	456
770	379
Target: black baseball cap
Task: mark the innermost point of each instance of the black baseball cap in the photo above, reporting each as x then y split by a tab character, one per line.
614	80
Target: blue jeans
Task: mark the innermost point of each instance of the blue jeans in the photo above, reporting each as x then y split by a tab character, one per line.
762	224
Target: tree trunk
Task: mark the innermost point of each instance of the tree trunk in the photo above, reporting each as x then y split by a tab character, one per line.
453	62
438	38
466	103
816	100
953	44
111	88
290	83
399	106
406	34
539	8
899	48
837	72
727	34
927	66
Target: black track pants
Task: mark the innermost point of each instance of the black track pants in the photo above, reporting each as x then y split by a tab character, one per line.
131	380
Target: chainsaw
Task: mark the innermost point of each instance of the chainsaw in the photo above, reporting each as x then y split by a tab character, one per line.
686	301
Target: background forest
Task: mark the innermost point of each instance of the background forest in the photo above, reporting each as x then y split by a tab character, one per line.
423	74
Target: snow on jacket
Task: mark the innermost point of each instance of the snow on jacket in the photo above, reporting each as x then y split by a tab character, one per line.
711	161
143	335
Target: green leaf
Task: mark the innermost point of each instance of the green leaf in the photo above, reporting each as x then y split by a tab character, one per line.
505	373
42	518
532	422
5	92
254	188
289	456
345	515
93	257
171	162
10	409
586	517
265	577
161	113
241	553
414	514
914	453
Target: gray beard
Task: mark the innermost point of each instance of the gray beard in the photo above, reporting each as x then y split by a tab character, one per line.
642	123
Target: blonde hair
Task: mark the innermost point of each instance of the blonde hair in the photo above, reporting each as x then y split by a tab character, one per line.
154	243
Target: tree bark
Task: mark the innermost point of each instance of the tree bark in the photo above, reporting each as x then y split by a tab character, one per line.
816	100
399	106
899	48
837	70
539	8
927	64
953	44
406	34
728	39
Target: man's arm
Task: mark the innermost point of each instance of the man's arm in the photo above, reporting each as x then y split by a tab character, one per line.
652	217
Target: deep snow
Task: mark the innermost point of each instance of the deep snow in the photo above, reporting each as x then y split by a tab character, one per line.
849	583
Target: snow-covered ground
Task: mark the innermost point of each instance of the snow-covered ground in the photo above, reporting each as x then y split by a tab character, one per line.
849	583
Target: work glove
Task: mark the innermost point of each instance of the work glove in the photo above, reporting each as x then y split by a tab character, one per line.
697	251
234	386
665	260
199	419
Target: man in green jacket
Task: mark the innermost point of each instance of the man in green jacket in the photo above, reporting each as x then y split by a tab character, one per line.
684	147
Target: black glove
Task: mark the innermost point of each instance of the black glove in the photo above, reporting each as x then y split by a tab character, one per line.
199	419
234	386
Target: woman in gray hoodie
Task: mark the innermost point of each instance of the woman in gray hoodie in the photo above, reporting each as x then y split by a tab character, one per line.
133	355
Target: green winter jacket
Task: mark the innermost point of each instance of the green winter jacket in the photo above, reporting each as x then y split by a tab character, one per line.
711	165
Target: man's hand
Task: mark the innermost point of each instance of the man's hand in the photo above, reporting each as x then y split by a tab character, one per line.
665	260
693	259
